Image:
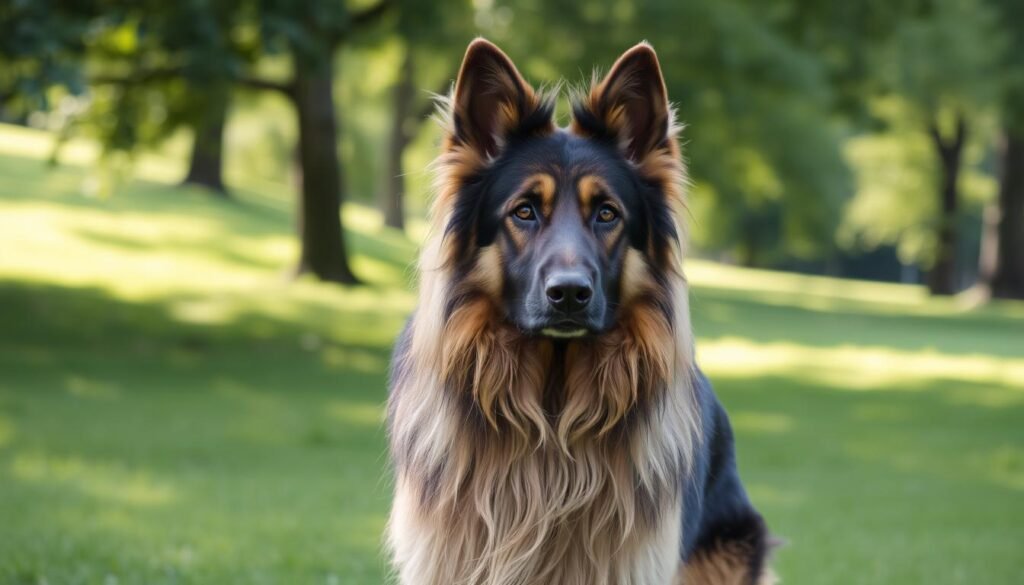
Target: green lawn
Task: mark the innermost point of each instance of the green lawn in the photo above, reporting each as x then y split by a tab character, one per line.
173	410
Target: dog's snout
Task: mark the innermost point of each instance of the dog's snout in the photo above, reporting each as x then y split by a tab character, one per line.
569	292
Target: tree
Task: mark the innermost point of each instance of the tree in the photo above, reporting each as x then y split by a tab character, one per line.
1003	272
943	64
1003	259
206	162
408	112
425	41
949	148
310	33
402	96
161	47
181	56
41	47
130	46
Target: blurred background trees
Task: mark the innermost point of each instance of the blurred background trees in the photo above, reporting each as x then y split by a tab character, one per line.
878	139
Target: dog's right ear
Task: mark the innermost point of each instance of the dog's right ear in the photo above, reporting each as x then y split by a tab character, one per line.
492	102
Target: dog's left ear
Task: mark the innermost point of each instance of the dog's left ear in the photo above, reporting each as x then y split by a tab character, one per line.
629	105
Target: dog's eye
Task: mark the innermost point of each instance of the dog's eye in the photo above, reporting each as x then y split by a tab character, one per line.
607	214
524	212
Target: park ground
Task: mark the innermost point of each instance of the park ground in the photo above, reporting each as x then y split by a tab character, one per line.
173	409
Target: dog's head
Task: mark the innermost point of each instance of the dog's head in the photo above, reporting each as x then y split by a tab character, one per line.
561	227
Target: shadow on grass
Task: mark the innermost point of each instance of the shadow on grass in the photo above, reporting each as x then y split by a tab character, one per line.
56	318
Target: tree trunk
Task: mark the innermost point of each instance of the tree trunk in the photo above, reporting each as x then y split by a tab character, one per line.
1006	279
393	195
747	253
942	279
206	164
320	173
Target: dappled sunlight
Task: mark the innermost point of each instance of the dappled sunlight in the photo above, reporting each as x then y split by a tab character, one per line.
702	273
824	294
32	144
91	389
747	421
102	480
347	358
356	413
363	264
204	311
29	143
60	244
855	367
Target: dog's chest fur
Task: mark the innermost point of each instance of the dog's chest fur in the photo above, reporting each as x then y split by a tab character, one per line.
480	508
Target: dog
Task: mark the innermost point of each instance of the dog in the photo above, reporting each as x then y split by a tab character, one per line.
547	422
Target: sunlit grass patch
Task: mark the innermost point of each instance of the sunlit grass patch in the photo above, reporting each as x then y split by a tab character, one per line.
863	368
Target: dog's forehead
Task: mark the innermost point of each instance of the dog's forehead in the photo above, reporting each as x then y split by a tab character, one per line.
565	157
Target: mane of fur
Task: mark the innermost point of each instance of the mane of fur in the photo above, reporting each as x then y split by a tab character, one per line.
494	486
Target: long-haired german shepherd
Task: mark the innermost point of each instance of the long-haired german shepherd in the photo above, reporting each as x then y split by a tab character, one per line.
547	422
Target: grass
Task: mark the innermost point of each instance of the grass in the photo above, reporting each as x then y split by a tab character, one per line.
172	410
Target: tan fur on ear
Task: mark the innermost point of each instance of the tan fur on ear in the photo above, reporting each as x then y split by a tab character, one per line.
630	103
491	100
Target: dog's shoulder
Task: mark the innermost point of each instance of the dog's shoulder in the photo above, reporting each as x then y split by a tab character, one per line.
719	519
713	492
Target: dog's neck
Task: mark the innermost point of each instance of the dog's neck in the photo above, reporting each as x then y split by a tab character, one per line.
554	385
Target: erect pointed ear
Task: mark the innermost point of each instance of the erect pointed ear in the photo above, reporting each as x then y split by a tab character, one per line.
492	101
630	104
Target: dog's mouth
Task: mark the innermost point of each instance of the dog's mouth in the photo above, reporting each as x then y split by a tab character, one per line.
566	329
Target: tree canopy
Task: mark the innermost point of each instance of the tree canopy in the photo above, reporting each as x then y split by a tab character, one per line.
813	131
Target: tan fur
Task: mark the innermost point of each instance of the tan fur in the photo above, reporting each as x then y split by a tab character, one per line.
724	566
493	486
542	185
488	77
588	187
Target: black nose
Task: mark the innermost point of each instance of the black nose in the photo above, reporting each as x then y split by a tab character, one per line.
569	292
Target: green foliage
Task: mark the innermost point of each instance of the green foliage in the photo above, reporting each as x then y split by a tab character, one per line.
895	202
775	94
1010	15
40	47
897	177
767	170
945	60
939	63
